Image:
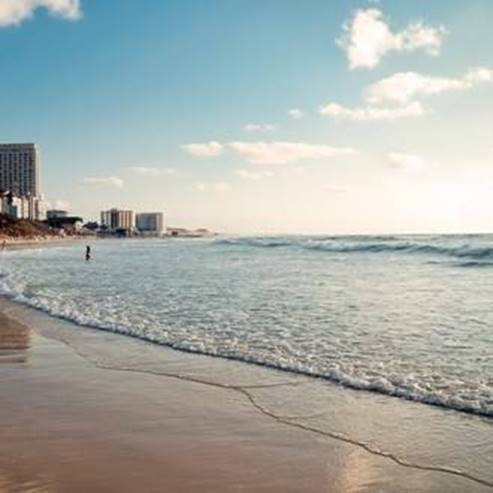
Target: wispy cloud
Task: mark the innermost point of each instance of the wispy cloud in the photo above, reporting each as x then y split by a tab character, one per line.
296	113
253	175
259	127
207	149
284	152
396	97
368	37
372	113
151	171
105	181
14	12
403	87
403	161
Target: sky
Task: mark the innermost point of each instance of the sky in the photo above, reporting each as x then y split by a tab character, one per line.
258	116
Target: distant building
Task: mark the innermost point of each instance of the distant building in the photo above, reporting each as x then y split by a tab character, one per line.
189	233
116	220
56	213
91	226
20	181
69	224
19	169
12	206
16	207
150	223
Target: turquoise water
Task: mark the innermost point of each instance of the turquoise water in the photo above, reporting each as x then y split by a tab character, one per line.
409	317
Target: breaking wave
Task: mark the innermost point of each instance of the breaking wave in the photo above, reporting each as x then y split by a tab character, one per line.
380	384
375	244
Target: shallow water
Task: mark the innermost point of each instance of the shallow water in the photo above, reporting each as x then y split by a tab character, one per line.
408	317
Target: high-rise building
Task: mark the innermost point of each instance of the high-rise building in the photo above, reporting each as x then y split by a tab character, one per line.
150	223
19	169
116	219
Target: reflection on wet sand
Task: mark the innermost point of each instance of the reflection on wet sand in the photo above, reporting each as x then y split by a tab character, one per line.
15	341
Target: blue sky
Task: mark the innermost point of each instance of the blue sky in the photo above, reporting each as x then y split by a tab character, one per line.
186	105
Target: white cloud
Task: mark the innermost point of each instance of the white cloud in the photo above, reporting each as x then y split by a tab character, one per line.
208	149
150	171
253	175
107	181
219	186
13	12
368	37
395	97
479	74
411	162
372	113
284	152
259	127
403	87
296	113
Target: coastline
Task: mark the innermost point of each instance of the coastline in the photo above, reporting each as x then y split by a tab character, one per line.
81	414
25	243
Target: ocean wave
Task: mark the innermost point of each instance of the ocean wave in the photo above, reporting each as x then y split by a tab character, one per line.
367	244
266	242
474	264
379	384
462	251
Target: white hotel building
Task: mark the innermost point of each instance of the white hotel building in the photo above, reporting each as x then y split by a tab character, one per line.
20	176
151	223
117	219
146	223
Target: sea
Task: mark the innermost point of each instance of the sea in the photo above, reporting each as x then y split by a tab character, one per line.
409	317
383	342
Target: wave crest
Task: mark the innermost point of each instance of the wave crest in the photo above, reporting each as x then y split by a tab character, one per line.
367	244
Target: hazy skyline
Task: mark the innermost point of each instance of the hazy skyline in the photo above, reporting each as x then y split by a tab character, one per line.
258	116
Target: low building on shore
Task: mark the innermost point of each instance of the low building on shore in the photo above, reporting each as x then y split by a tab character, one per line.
68	224
56	213
189	233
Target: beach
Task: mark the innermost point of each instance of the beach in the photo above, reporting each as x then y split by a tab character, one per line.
74	422
246	247
23	243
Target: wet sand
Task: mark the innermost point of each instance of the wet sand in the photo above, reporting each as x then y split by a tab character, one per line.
69	425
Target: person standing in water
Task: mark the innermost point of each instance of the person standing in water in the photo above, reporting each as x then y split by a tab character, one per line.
88	253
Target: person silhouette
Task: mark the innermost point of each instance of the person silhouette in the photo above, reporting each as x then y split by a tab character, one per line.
88	253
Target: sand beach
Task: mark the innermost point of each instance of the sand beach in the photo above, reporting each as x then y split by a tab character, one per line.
73	423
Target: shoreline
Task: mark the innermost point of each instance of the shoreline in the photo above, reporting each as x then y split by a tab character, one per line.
27	243
98	361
